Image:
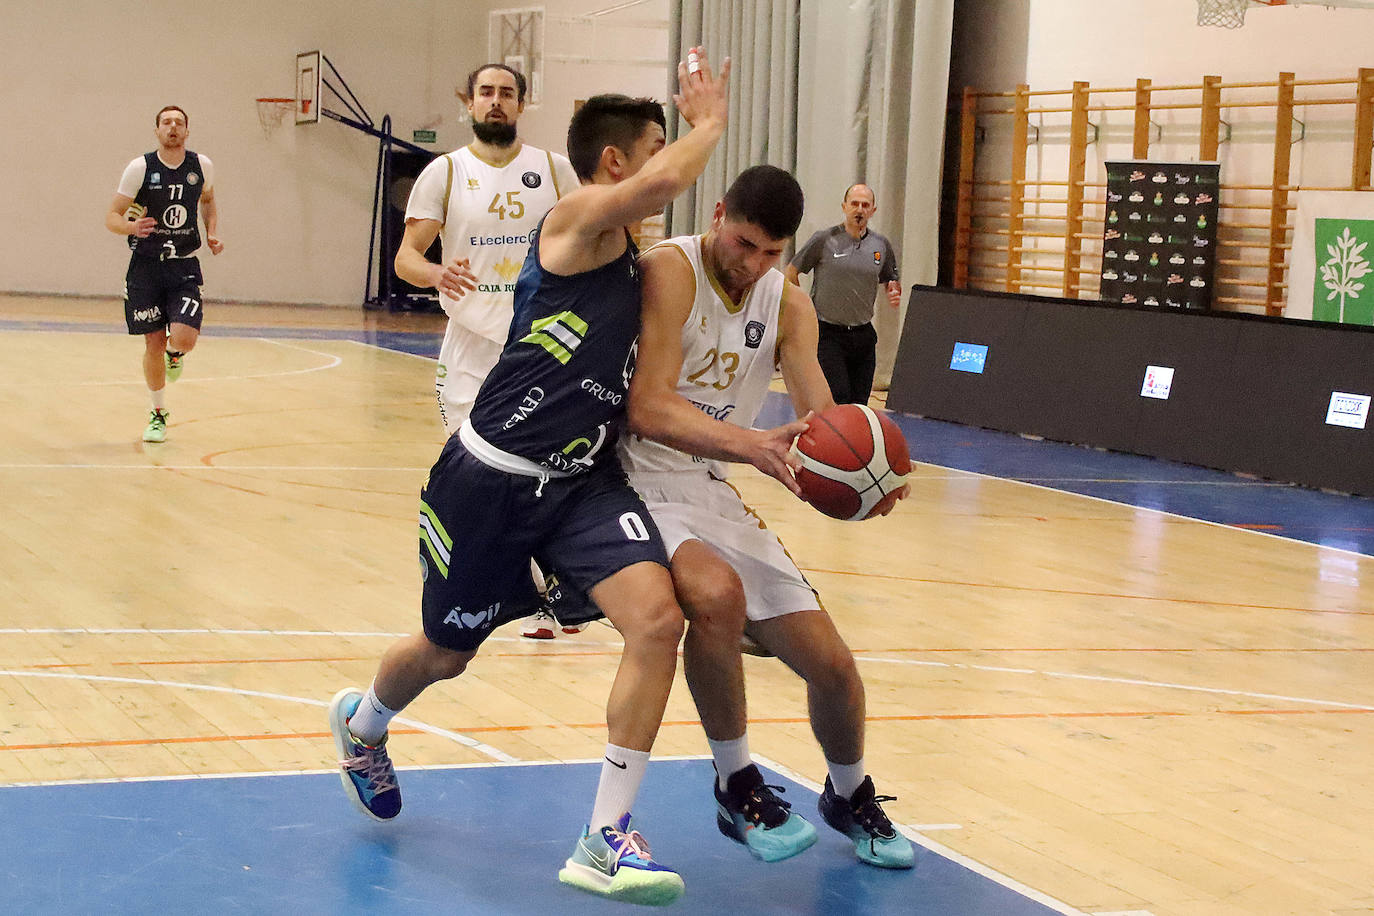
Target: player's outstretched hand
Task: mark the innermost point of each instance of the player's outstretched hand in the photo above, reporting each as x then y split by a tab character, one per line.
456	278
773	452
701	96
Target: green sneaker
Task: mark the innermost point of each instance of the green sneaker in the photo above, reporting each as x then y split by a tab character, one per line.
614	862
172	362
156	430
861	818
750	812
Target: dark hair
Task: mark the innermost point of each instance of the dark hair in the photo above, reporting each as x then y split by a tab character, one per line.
157	121
608	120
768	197
519	79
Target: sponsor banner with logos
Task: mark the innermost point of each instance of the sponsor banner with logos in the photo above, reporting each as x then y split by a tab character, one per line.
1331	271
1159	240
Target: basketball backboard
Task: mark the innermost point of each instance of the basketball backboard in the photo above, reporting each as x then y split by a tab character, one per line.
308	87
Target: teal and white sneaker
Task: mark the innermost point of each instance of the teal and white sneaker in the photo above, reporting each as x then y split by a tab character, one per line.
861	818
368	777
156	430
749	812
172	363
615	862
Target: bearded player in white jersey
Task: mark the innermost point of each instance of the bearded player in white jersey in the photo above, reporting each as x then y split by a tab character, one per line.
718	317
482	201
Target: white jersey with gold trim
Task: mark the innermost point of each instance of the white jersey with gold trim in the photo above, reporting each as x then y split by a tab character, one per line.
487	212
728	356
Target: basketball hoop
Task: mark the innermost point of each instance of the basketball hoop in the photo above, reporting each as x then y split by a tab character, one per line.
1227	14
271	112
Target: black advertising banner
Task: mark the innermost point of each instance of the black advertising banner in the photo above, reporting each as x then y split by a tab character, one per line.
1159	244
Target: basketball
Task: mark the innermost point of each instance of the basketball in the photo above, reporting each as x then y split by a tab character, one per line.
854	461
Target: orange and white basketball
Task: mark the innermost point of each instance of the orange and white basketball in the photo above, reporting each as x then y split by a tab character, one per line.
854	460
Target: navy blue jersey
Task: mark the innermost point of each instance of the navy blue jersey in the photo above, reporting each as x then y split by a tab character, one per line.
172	197
557	395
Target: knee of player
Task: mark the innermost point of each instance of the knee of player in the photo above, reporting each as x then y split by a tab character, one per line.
659	622
835	669
446	663
714	599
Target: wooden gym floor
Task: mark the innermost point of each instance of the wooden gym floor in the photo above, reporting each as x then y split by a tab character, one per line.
1109	702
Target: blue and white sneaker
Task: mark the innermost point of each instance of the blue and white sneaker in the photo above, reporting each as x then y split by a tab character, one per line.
615	862
368	777
861	818
749	812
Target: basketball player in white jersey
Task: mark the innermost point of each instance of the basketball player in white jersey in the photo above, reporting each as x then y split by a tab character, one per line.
718	317
482	201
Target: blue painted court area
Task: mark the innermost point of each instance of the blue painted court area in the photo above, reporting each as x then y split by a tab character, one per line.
470	840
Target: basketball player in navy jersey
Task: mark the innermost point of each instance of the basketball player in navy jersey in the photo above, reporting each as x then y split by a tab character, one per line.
717	318
532	474
161	199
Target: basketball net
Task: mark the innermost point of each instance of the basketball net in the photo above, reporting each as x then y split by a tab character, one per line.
1227	14
272	112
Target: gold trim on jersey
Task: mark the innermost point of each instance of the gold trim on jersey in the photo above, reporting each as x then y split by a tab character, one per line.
518	146
764	526
553	175
731	305
686	260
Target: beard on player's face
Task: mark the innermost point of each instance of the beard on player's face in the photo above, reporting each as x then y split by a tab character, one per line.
497	133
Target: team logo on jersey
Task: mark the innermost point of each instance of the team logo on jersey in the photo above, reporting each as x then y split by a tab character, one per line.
474	184
531	179
877	257
508	269
174	217
559	334
192	179
753	334
156	178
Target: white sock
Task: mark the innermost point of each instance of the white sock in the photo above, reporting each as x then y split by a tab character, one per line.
731	757
159	398
369	723
846	778
621	773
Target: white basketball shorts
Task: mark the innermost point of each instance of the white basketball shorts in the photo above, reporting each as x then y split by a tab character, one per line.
691	506
469	357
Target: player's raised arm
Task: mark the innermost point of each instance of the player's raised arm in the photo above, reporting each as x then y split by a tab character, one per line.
645	180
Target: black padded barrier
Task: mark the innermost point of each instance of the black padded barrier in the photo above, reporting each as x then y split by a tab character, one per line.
1249	393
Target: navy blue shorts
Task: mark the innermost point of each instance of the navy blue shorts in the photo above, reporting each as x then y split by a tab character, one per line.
480	527
160	292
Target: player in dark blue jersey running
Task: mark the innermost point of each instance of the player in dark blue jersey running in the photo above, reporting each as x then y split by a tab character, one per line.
533	475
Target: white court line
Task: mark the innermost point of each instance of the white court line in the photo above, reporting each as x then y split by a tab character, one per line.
182	777
210	688
1135	682
912	832
1115	502
332	362
372	346
206	631
921	663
